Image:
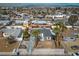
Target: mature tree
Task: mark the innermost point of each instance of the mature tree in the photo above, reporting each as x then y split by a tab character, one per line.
60	26
59	29
4	12
56	30
65	11
19	9
34	12
74	12
72	20
36	33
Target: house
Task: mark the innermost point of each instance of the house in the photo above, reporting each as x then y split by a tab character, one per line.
16	33
46	34
40	24
45	44
19	24
6	16
49	16
60	16
4	22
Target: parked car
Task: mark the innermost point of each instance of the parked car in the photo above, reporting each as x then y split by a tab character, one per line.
75	47
75	54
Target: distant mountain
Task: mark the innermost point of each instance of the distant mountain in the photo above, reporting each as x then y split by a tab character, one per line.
39	4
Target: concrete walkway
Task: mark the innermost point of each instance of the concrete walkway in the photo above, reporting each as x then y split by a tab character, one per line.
43	52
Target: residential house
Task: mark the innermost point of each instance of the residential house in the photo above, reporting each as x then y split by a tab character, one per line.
8	46
40	24
4	22
16	33
45	34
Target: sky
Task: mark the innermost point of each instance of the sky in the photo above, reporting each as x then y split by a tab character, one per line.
40	4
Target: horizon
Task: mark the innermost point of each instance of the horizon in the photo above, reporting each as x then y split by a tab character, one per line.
39	4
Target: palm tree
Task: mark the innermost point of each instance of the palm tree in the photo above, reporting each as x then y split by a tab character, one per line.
36	33
26	34
60	26
59	29
56	30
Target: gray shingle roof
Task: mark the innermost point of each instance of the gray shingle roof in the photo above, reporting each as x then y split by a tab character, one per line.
13	32
4	22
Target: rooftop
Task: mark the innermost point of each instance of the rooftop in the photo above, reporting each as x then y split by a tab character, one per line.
13	32
4	22
46	32
21	21
39	22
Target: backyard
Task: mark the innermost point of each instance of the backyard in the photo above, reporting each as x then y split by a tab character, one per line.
46	44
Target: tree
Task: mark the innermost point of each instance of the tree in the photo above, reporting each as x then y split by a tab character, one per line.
74	12
4	12
34	12
59	29
60	26
65	11
72	20
26	34
36	33
56	30
19	9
